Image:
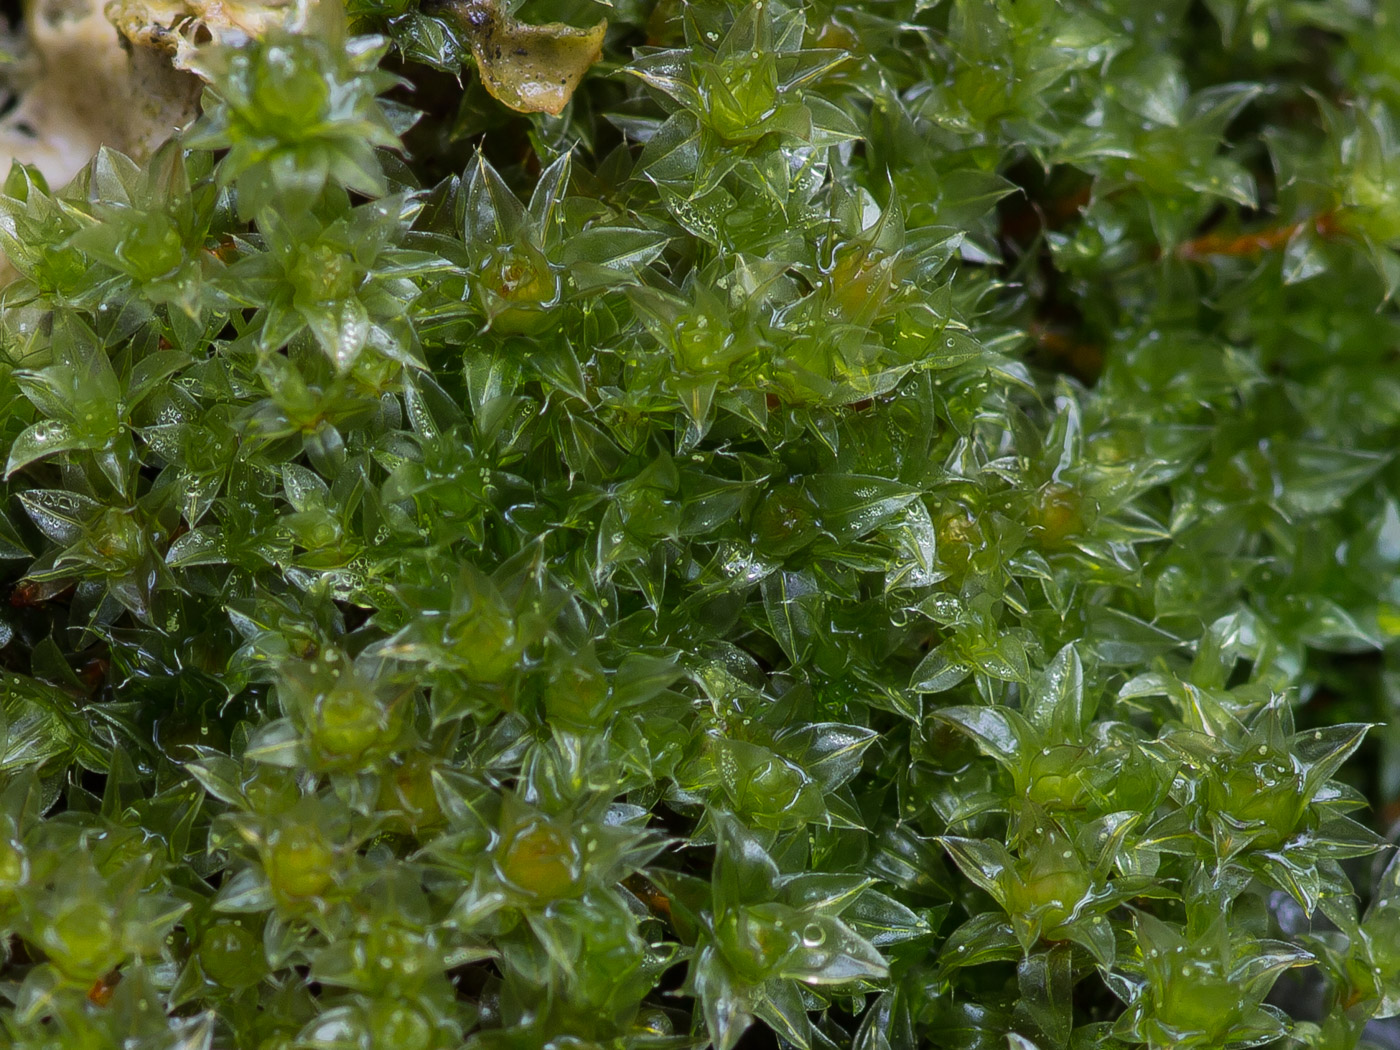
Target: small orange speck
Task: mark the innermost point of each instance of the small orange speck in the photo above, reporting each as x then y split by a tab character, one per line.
102	990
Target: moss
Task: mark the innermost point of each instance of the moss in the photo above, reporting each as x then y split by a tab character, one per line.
874	524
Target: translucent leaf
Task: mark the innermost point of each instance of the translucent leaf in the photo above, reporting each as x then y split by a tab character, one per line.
793	602
45	438
613	247
61	516
1316	478
1004	658
1121	639
853	505
780	1006
219	775
305	491
983	938
278	744
530	68
1060	699
726	1012
939	671
201	546
830	752
672	155
149	373
831	953
743	869
819	891
999	732
982	861
1045	980
882	920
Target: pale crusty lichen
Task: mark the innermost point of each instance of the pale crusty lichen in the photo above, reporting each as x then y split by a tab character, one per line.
113	73
82	89
178	26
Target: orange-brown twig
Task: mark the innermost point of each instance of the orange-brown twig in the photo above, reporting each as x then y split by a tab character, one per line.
1247	244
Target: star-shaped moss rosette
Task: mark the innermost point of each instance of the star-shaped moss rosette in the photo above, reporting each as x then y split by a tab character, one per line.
347	280
1202	989
521	263
629	578
730	94
766	943
1052	761
1052	885
1255	798
296	111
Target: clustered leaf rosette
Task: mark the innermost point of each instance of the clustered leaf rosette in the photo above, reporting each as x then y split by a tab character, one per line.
1202	989
147	230
347	280
1052	889
298	110
1258	800
770	945
873	521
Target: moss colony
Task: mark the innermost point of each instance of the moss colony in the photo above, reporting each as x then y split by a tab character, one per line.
873	526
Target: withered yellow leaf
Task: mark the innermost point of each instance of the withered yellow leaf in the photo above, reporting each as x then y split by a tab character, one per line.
530	68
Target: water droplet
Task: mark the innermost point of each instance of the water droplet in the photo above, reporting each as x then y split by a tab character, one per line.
813	935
